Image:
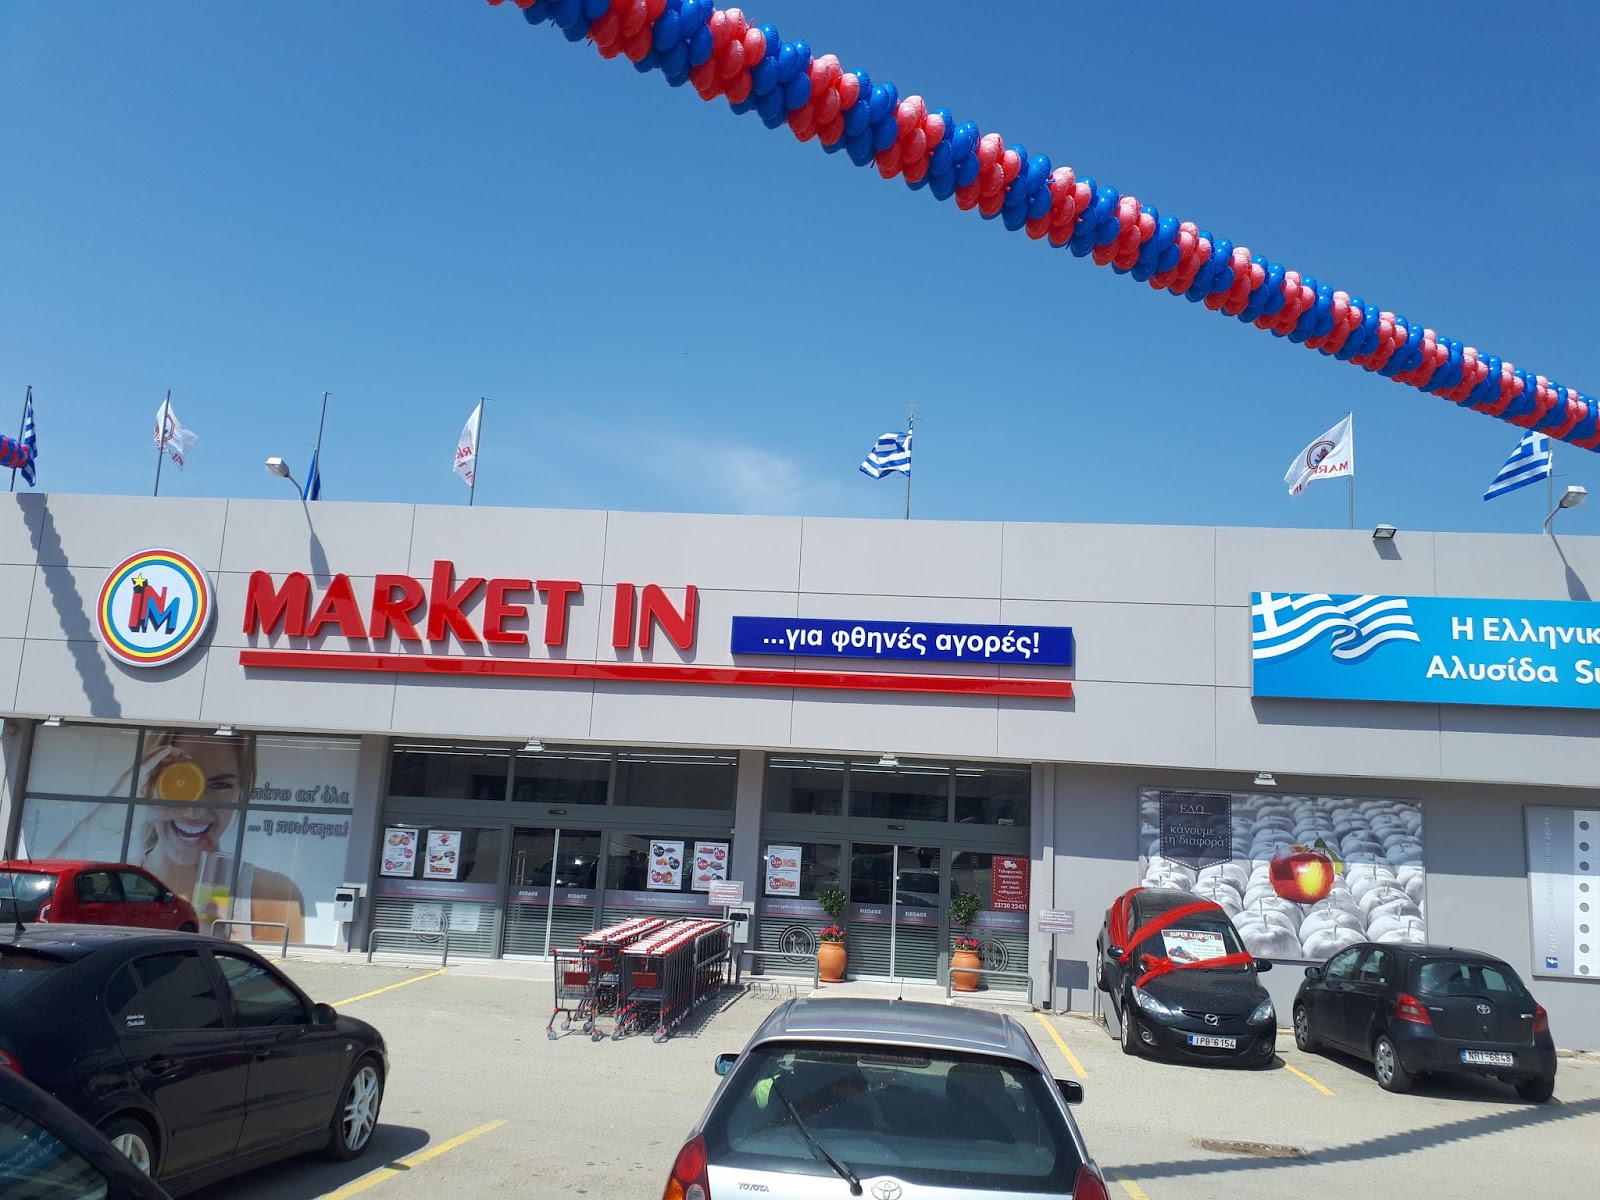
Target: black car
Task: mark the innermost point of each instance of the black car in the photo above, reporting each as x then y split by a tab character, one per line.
1196	1013
47	1151
1416	1010
192	1055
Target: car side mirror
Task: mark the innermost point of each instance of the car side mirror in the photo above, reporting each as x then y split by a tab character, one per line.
1263	965
1071	1090
724	1063
1313	973
1116	954
322	1014
165	898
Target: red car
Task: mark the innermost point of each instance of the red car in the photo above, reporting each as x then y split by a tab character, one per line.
61	891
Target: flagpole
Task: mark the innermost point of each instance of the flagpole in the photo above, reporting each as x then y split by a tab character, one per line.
321	424
316	456
161	439
477	442
1549	480
21	429
911	429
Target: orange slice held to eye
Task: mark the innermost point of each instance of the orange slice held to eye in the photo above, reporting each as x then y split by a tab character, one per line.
180	783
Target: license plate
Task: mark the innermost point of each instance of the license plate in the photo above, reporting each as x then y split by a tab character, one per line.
1216	1043
1489	1058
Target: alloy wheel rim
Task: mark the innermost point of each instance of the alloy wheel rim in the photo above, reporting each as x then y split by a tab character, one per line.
361	1108
132	1147
1385	1061
1302	1028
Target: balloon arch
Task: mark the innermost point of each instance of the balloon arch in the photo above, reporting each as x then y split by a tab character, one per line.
722	54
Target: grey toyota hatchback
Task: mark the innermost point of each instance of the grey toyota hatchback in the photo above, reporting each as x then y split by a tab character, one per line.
890	1100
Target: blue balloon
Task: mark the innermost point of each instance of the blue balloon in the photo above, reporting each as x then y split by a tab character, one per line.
916	185
764	78
1364	336
884	101
1170	258
649	62
942	186
537	15
967	170
694	15
1014	219
701	46
578	30
788	62
771	108
885	133
770	32
834	148
941	161
1398	361
859	147
858	116
743	106
1586	427
675	63
965	140
667	32
595	9
1489	389
865	81
564	13
1260	296
797	92
1039	204
1038	171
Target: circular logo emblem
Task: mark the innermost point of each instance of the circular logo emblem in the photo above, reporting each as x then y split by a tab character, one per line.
1318	452
153	608
887	1189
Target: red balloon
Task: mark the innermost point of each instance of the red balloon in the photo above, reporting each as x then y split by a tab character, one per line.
849	91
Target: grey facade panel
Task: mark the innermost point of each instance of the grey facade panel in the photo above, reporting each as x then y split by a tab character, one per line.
1111	563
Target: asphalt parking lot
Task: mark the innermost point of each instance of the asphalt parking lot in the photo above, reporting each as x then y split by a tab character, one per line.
481	1103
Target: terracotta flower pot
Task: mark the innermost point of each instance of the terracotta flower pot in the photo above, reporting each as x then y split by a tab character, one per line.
963	970
830	961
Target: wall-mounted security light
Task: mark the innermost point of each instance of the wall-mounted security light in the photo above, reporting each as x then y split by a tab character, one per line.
888	760
224	730
52	722
1384	533
534	746
1265	779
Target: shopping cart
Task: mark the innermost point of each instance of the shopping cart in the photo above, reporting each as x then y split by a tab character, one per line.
668	974
585	983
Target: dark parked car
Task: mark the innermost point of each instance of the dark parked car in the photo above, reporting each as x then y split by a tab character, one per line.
194	1056
1197	1013
1415	1010
62	891
886	1099
48	1152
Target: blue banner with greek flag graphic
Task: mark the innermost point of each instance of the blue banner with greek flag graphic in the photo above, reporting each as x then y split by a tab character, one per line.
1530	462
889	455
1426	649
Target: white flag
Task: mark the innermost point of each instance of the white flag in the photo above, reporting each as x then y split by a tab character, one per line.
171	436
1331	455
467	447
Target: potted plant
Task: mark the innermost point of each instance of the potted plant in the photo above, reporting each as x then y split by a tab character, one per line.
964	960
830	944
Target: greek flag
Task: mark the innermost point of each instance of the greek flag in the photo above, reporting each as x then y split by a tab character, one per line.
1285	622
891	453
30	440
1530	462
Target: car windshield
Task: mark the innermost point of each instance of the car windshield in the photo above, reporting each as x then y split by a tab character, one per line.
35	1165
930	1118
1193	939
1450	977
22	892
21	972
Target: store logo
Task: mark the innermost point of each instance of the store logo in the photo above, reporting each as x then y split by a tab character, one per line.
153	608
886	1189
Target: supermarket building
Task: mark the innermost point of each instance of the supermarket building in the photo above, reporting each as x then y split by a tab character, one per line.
510	726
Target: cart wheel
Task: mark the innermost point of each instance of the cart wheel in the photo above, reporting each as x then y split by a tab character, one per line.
597	1036
551	1034
588	1026
616	1035
565	1025
658	1038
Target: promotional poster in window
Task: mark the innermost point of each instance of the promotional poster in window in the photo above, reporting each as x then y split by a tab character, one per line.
1301	877
249	829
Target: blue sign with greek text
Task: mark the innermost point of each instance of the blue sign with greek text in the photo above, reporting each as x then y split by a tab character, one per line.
912	640
1426	649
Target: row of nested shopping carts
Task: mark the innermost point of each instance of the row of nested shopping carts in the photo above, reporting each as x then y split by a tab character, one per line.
645	973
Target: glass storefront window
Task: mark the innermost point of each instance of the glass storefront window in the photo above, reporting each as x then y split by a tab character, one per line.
908	792
805	785
630	864
83	760
972	872
440	771
994	796
819	868
879	872
562	777
664	779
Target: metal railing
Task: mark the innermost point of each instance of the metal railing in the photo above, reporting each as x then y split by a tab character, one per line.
949	981
283	950
816	967
411	934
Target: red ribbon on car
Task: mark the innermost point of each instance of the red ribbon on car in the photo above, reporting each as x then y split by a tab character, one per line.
1155	967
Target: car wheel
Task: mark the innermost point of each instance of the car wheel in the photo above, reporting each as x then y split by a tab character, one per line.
1130	1040
1386	1065
1536	1091
357	1114
188	927
1302	1031
132	1139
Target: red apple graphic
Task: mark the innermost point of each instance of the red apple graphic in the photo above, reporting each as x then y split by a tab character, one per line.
1302	874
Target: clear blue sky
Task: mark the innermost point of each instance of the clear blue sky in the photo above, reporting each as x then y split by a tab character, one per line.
414	203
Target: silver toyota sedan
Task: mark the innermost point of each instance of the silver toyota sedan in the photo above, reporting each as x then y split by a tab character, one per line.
886	1099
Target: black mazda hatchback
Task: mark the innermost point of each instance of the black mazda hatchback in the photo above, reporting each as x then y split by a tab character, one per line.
1414	1010
192	1055
1181	983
